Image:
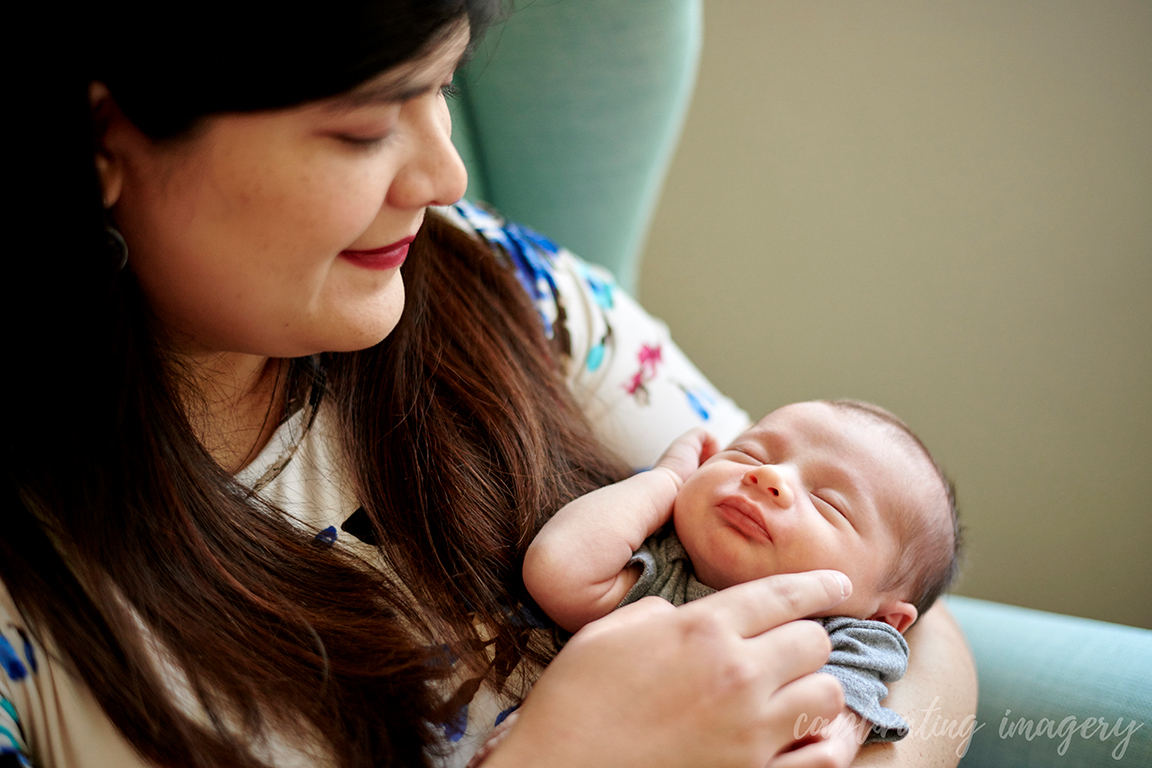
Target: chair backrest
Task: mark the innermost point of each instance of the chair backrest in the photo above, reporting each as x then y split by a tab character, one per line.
569	114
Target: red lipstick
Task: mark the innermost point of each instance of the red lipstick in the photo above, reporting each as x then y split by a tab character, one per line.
385	257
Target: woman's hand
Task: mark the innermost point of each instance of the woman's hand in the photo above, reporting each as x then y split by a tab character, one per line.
836	743
721	681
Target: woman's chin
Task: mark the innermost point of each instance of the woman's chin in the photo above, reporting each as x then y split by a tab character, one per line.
370	326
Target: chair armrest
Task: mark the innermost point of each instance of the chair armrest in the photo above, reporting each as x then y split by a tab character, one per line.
1057	690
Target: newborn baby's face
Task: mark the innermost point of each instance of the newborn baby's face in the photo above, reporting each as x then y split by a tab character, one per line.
807	487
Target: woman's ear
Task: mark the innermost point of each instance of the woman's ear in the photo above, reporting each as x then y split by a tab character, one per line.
105	112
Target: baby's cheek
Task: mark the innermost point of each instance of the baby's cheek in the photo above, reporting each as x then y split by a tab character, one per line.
693	527
805	551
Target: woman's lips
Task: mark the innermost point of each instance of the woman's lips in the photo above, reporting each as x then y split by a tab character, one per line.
385	257
745	517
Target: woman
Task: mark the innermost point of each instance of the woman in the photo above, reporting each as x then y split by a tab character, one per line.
269	520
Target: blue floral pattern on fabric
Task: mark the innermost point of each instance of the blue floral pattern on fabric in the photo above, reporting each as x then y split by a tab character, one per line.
326	538
455	728
504	715
701	400
13	741
29	650
611	349
11	663
530	254
602	290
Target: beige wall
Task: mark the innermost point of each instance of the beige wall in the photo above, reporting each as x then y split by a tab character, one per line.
944	207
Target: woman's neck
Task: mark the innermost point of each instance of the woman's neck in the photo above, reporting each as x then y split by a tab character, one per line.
234	403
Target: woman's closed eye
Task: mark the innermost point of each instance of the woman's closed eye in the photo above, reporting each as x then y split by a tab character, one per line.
366	133
374	137
365	142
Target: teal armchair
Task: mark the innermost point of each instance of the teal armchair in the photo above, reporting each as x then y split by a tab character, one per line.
569	116
568	119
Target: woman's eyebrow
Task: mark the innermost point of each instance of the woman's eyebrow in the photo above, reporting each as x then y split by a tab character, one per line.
392	90
387	92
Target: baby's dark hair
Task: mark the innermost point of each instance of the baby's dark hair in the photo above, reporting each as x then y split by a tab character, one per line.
928	563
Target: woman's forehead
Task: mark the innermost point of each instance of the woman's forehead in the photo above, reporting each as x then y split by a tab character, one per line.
413	77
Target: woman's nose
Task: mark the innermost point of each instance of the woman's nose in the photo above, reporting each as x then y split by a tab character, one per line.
767	479
434	174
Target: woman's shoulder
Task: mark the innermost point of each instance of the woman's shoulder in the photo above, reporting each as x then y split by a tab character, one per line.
47	718
19	660
535	260
635	385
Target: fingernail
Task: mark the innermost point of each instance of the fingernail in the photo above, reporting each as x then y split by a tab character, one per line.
845	585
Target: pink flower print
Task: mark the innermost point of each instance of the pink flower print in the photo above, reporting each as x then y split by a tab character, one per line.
635	383
649	358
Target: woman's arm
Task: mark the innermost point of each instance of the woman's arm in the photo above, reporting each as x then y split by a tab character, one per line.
937	696
577	566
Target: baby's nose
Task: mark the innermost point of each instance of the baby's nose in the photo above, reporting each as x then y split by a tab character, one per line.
767	479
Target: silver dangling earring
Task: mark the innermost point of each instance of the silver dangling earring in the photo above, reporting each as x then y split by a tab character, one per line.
116	246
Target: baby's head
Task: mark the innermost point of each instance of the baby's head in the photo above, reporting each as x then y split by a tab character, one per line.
829	484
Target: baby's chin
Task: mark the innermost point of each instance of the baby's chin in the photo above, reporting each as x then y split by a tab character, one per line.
718	578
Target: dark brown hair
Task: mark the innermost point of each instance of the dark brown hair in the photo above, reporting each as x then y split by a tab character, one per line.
458	427
462	435
929	560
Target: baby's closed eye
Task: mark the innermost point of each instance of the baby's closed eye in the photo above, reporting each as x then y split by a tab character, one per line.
831	502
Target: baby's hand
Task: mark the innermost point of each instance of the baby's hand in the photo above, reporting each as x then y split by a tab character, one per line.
688	452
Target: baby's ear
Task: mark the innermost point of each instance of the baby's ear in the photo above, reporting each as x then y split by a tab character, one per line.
897	613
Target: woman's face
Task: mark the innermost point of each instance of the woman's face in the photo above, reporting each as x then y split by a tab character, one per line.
280	233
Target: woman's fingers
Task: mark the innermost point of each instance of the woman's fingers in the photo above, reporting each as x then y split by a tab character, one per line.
718	682
757	606
836	752
816	701
638	613
831	742
792	650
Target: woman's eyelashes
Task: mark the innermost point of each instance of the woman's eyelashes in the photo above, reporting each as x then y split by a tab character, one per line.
366	143
367	132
